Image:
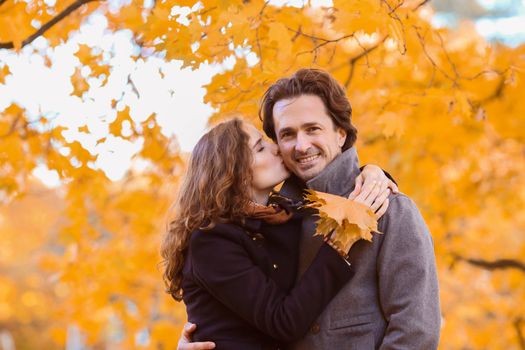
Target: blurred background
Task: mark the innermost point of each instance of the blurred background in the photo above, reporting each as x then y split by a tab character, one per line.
101	101
497	21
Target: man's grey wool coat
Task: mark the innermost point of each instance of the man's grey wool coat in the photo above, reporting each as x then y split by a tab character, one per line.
392	302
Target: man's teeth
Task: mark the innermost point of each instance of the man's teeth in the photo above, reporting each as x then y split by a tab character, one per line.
308	159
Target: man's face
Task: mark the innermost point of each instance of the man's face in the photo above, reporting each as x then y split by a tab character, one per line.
308	139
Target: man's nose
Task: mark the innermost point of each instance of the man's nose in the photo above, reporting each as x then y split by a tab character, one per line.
302	143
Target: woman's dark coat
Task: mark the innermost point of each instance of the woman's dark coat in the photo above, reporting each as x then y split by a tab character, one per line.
238	284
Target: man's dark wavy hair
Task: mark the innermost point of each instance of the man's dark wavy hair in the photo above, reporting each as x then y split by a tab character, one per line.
309	81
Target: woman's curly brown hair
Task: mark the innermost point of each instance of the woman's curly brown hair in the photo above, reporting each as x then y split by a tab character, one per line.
215	189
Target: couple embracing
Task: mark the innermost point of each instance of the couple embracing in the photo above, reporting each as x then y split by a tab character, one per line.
244	259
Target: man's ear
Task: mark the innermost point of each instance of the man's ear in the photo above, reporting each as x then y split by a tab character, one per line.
341	137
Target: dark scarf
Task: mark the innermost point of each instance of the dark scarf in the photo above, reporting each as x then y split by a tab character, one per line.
278	211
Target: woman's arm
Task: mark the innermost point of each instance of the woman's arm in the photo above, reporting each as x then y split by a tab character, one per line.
375	185
222	265
375	172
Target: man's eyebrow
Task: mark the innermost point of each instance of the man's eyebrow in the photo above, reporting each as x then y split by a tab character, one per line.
287	129
307	125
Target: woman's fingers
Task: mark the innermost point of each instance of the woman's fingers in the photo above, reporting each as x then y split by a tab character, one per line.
382	209
185	339
392	185
196	346
383	186
375	197
368	194
368	186
380	199
358	184
365	191
187	330
374	193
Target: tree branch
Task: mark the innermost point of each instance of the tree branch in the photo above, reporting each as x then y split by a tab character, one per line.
497	93
500	264
324	41
432	61
13	126
521	338
354	60
313	37
74	6
207	10
257	36
133	86
392	13
421	4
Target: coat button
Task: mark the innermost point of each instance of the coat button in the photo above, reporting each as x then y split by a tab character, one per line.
275	266
315	328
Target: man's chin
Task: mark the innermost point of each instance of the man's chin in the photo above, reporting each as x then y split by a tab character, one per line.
307	174
302	173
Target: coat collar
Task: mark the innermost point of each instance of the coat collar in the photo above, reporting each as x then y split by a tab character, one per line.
337	178
254	224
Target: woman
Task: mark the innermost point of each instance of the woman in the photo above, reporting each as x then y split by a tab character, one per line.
231	252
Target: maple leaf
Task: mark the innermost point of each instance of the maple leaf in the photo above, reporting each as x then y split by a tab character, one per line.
115	127
85	55
16	25
3	73
349	220
84	129
79	83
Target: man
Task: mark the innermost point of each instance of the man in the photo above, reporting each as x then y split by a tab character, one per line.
392	302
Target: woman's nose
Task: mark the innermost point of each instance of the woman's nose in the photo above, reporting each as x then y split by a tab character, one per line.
275	149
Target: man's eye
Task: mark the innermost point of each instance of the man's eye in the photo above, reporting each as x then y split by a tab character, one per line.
260	149
312	129
285	135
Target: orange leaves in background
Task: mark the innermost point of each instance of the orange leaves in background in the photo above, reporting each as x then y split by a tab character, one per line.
449	129
15	23
80	84
3	73
122	118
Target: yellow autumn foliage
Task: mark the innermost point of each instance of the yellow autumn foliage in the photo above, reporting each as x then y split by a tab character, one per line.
441	110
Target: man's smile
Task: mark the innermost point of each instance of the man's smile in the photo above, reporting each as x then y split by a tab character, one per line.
308	159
